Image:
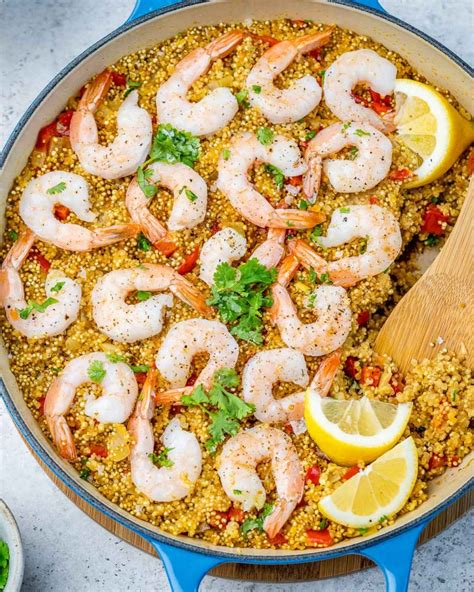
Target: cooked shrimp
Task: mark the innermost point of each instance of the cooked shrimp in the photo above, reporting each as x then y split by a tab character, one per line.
225	246
376	225
370	166
237	471
216	109
271	251
64	295
134	133
233	181
189	193
115	405
58	187
293	103
261	372
131	322
331	306
162	484
350	69
186	339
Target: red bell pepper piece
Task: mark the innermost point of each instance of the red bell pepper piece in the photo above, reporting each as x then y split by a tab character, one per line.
119	79
99	450
140	377
63	123
278	539
433	219
295	181
218	520
370	375
363	318
373	199
436	461
166	247
313	474
40	258
189	262
397	382
319	537
61	212
351	472
400	174
45	134
236	514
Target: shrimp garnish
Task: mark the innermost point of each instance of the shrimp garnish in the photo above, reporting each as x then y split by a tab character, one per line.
162	484
376	225
226	246
58	187
64	292
183	341
115	405
131	322
134	133
216	109
237	471
350	69
304	95
373	157
330	304
233	181
189	193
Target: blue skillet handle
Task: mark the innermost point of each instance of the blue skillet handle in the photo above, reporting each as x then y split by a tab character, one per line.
143	7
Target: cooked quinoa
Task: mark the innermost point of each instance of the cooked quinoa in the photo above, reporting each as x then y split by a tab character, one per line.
441	389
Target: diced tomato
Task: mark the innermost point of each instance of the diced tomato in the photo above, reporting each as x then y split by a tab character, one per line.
454	461
40	258
313	474
288	428
45	134
349	366
218	519
359	100
189	262
119	79
373	199
400	174
317	54
61	212
63	123
319	537
436	461
99	450
397	382
370	375
433	219
264	38
295	181
215	228
351	472
378	104
470	162
166	247
140	377
278	539
363	318
236	514
191	380
41	401
387	100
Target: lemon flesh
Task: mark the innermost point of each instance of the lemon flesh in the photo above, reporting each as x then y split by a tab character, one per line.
380	490
431	127
357	430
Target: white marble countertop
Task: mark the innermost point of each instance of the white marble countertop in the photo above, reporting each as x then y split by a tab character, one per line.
65	550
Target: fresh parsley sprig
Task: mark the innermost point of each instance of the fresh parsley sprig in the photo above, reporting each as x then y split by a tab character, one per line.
32	305
161	459
256	523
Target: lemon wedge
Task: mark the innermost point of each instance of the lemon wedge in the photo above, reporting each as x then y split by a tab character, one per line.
431	127
357	430
380	490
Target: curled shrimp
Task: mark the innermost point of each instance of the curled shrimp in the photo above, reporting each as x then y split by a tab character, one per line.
376	225
182	342
63	293
131	322
371	164
162	484
58	187
330	304
290	104
134	133
226	246
233	181
115	405
350	69
237	471
216	109
271	251
189	193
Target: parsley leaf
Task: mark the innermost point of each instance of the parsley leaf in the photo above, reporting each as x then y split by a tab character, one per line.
161	459
32	305
344	210
171	145
361	133
85	473
241	97
432	240
278	175
57	286
140	368
143	178
303	204
256	523
310	135
383	518
189	194
226	154
322	73
316	232
197	397
114	357
346	126
59	188
363	531
143	295
257	89
143	243
353	152
131	85
96	371
265	135
12	235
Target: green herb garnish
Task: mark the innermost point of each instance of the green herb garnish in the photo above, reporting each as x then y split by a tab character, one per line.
242	97
322	73
85	473
32	305
310	135
161	459
363	245
363	530
354	151
278	175
454	395
143	178
226	154
432	240
171	145
114	357
256	523
237	492
189	194
58	286
303	204
143	243
344	210
361	133
59	188
131	85
346	126
257	89
96	371
12	235
265	135
322	524
383	518
4	564
143	295
140	368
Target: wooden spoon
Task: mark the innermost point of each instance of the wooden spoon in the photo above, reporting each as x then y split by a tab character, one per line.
438	312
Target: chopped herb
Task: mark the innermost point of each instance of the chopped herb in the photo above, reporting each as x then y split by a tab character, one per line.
115	357
12	235
238	294
131	85
363	245
56	371
363	530
315	234
265	135
140	368
383	518
344	210
278	175
143	177
322	524
322	73
59	188
237	492
171	145
257	89
256	523
189	194
387	270
312	275
303	204
432	240
346	126
4	564
454	395
143	243
435	200
85	473
324	279
311	299
361	133
32	305
290	224
96	371
143	295
354	151
226	154
57	286
241	97
310	135
161	459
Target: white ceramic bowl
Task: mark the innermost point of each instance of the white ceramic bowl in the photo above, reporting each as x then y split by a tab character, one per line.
11	535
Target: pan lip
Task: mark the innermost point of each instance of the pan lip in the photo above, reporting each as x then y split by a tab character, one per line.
50	461
226	555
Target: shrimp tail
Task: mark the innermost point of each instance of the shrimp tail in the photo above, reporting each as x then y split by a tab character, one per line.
19	250
146	400
298	219
308	43
224	45
188	293
172	396
312	178
307	256
286	272
152	228
62	436
324	377
96	92
280	514
114	234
